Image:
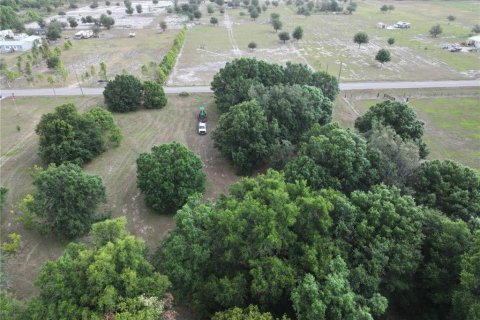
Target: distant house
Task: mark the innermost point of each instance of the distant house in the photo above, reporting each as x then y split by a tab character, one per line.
18	43
6	34
402	25
474	41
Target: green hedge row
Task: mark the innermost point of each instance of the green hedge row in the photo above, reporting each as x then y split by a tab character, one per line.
168	61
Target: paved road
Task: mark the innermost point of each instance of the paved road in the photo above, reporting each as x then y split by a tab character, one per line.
205	89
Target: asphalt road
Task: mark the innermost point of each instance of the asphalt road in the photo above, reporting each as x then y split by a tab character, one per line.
205	89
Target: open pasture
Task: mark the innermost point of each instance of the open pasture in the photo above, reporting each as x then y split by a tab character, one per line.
142	130
328	42
451	119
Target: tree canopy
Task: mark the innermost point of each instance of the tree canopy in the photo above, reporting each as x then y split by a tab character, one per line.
245	136
111	278
296	108
232	83
66	136
124	93
360	38
397	115
379	236
331	157
66	199
252	247
169	175
449	187
154	96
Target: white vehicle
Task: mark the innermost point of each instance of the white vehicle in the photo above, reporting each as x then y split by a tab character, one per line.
84	34
202	128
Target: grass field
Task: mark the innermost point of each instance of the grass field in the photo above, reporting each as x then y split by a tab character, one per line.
452	129
327	42
142	130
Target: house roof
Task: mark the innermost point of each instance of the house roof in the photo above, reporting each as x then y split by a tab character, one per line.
474	38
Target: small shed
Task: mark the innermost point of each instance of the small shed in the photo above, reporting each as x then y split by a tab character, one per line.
474	41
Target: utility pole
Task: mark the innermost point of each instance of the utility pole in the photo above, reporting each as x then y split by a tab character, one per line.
76	75
340	71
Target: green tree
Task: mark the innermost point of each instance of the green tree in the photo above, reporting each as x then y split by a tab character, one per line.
110	278
106	21
360	38
334	297
169	175
197	14
436	30
466	299
449	187
438	274
3	197
154	96
72	22
391	41
231	83
213	20
9	19
251	247
451	18
252	45
210	9
296	108
66	199
66	136
338	159
53	61
124	93
163	26
254	14
383	55
327	83
384	8
284	36
54	30
112	135
103	69
379	234
245	136
297	34
393	160
139	8
277	25
250	313
397	115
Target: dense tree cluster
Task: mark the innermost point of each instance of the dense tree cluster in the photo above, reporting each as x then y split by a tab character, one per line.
107	279
232	83
449	187
169	175
286	102
398	116
67	136
126	93
331	157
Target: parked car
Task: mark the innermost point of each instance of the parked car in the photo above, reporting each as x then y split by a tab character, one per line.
202	128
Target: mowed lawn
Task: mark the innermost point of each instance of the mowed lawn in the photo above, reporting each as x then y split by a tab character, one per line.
452	124
117	167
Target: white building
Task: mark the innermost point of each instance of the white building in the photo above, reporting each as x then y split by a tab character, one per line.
474	41
23	44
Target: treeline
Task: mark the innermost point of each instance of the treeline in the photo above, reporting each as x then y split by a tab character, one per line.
168	61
